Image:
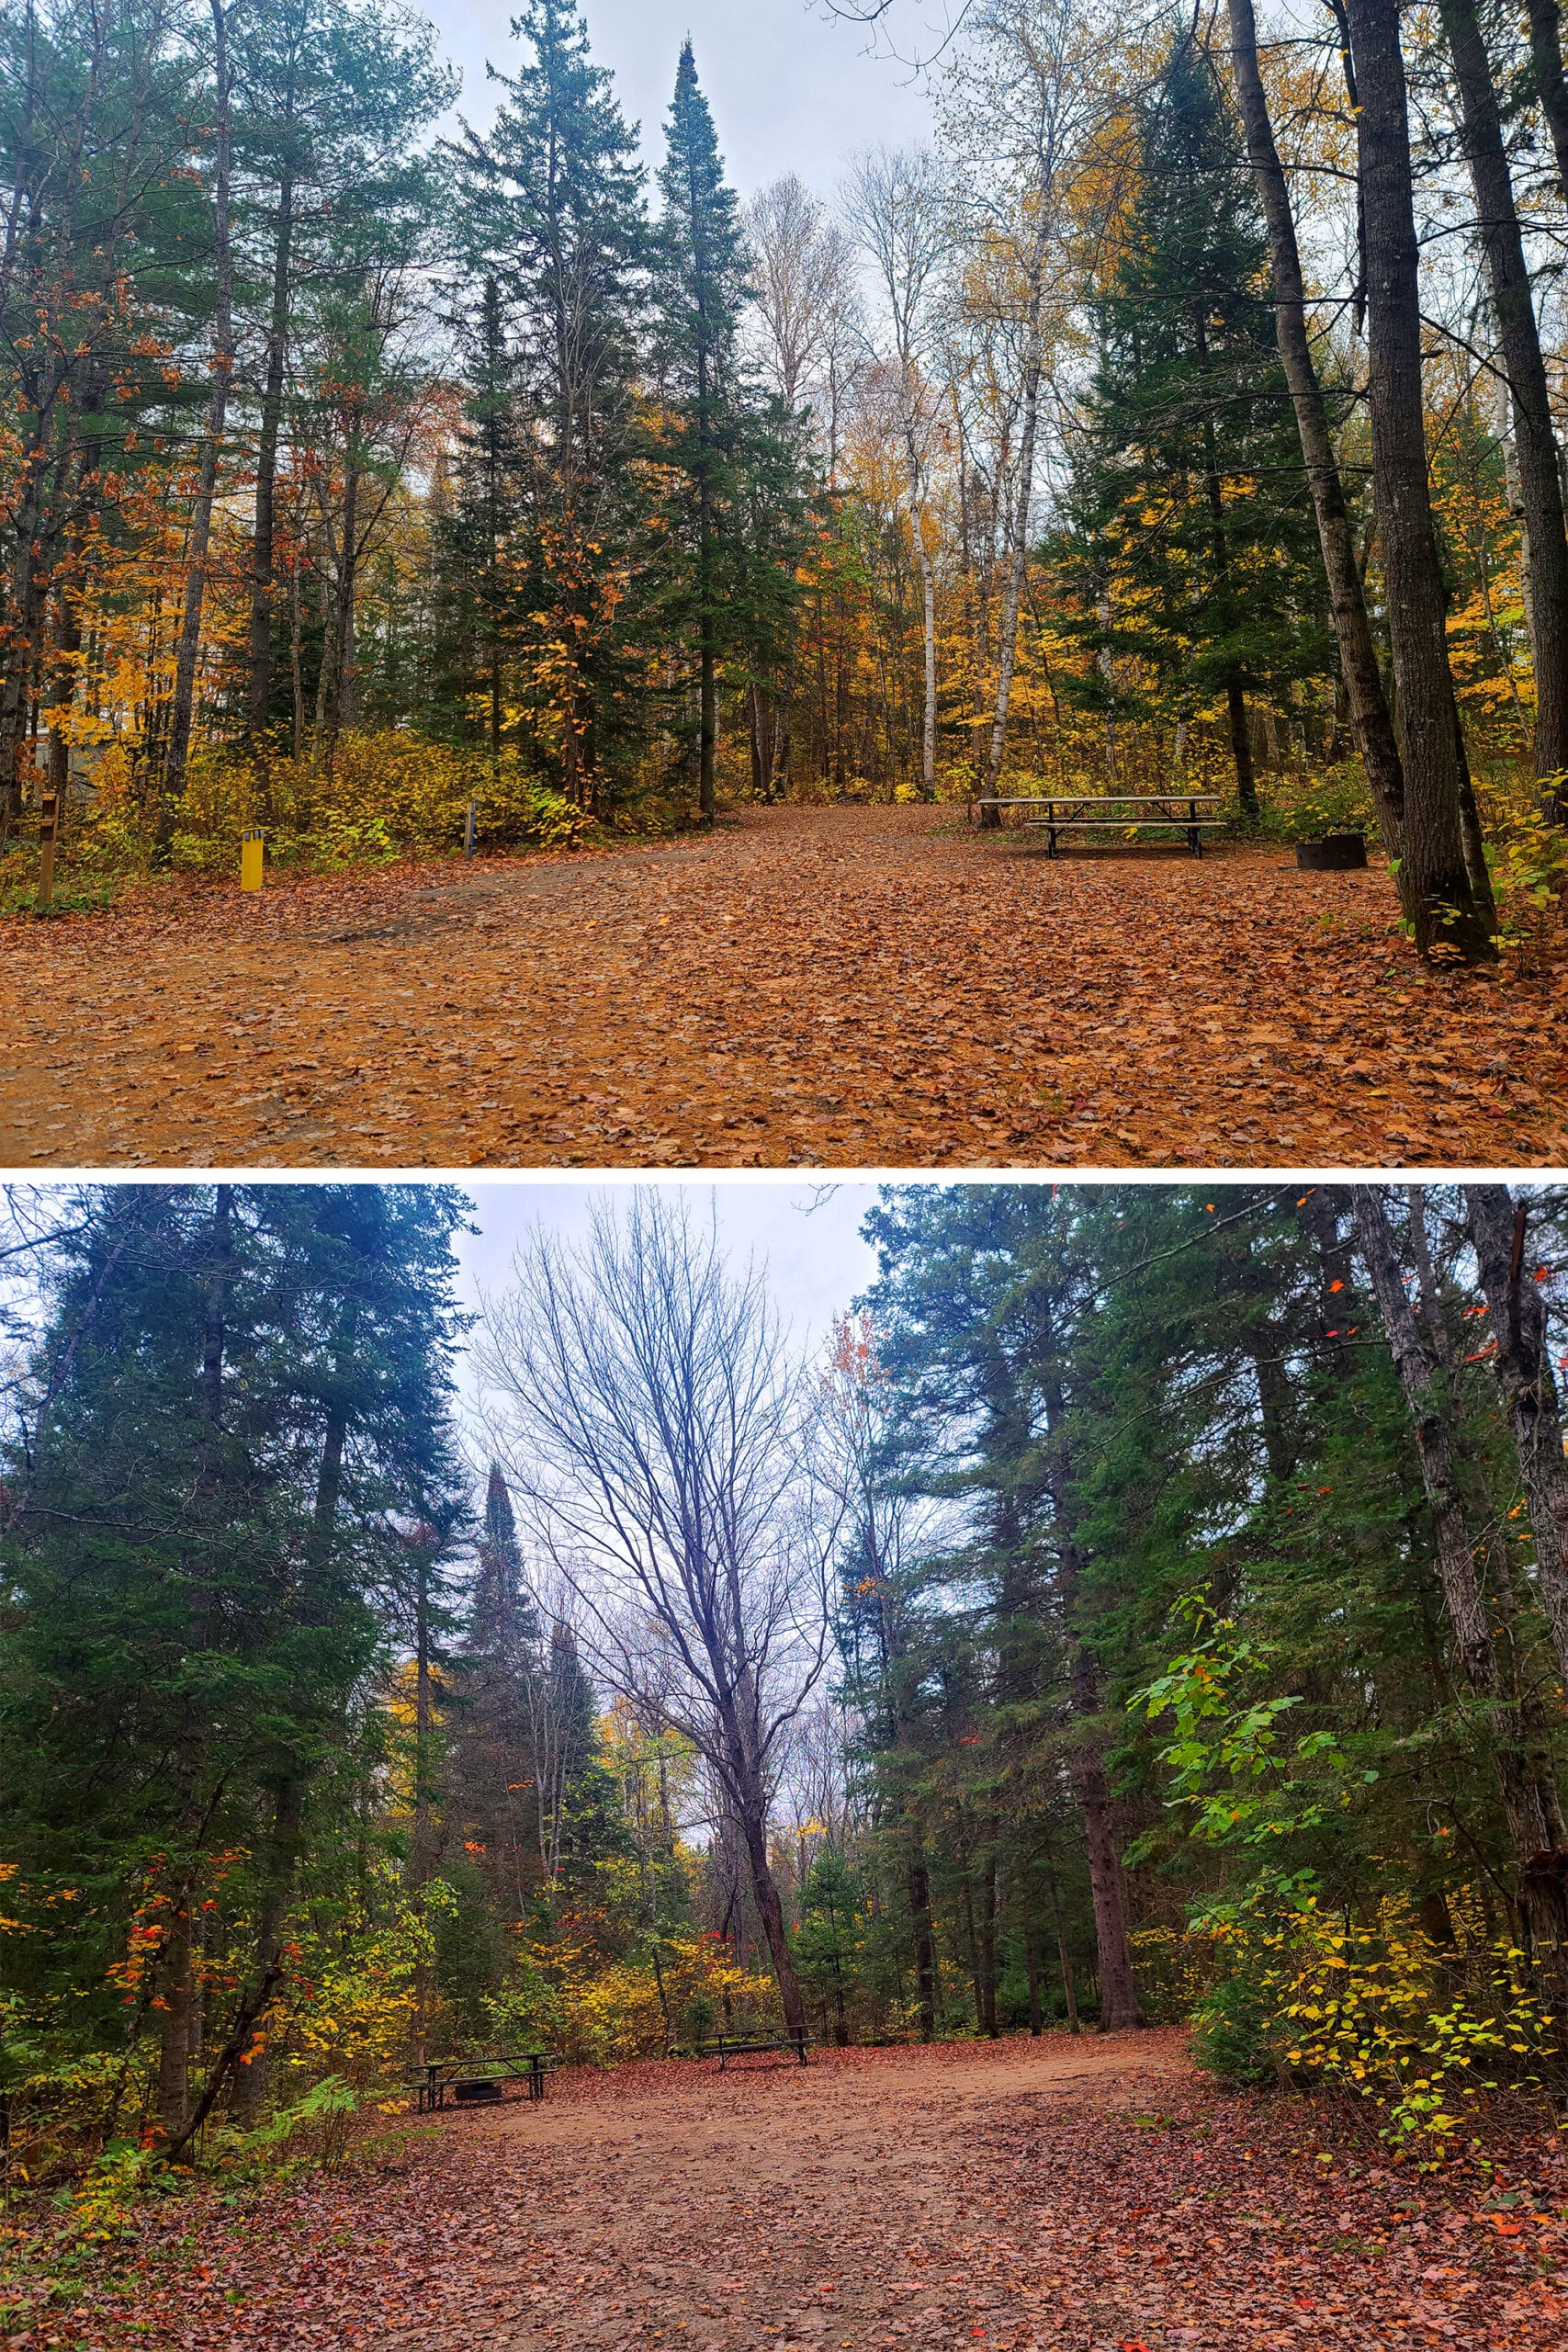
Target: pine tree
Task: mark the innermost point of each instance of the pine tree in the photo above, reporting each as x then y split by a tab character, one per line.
701	286
494	1771
331	97
1193	524
242	1402
502	1621
554	216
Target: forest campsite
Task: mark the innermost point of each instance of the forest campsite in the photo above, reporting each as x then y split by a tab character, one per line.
964	1762
420	498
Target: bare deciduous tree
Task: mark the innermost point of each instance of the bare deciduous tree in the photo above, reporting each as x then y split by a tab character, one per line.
658	1435
802	281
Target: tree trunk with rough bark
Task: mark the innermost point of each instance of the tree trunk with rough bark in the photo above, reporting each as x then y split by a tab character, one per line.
1541	481
1368	706
264	538
188	644
1452	909
1527	1781
1007	637
1516	1318
1546	56
770	1910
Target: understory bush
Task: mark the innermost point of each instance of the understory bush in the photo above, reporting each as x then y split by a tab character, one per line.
565	1995
1528	856
1374	2007
381	795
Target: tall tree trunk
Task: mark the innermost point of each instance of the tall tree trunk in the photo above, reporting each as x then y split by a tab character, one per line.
242	2049
188	644
928	642
1516	1319
1013	597
1546	56
174	2041
770	1910
345	709
1526	1777
707	714
264	543
1541	482
1085	1763
422	1854
1118	1999
1236	698
917	1881
1450	907
988	1942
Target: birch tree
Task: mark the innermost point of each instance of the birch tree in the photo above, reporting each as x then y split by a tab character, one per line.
897	205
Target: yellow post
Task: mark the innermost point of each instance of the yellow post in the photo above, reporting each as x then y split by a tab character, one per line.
251	858
48	830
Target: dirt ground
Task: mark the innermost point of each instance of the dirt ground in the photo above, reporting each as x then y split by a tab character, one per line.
1056	2196
850	987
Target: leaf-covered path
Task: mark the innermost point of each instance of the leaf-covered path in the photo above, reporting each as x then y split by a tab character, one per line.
1086	2196
851	986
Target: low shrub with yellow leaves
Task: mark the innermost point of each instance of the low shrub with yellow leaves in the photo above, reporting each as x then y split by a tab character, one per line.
383	794
347	2006
1170	1970
1526	855
594	2011
1374	2007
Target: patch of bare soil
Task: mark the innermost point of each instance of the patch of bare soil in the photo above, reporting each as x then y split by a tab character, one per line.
849	986
1081	2196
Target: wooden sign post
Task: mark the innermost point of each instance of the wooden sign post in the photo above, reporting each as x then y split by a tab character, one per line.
468	831
48	834
251	858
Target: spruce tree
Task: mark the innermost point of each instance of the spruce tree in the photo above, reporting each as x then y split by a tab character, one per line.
239	1402
1190	504
702	287
475	517
554	216
493	1705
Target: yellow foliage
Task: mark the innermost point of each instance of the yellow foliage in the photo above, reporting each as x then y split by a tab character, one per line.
382	794
1375	2008
602	2012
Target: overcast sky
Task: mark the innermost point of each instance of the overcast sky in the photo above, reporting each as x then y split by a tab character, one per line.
791	87
807	1234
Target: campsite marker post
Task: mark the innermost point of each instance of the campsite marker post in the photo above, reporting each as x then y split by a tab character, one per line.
48	834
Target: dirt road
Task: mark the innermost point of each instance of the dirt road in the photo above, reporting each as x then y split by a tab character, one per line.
846	987
820	2207
1056	2196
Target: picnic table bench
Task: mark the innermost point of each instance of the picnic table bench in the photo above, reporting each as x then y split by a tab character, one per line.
1063	812
473	2080
725	2046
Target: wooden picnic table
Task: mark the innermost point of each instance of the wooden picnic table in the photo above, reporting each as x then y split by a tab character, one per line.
725	2046
1063	812
438	2076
